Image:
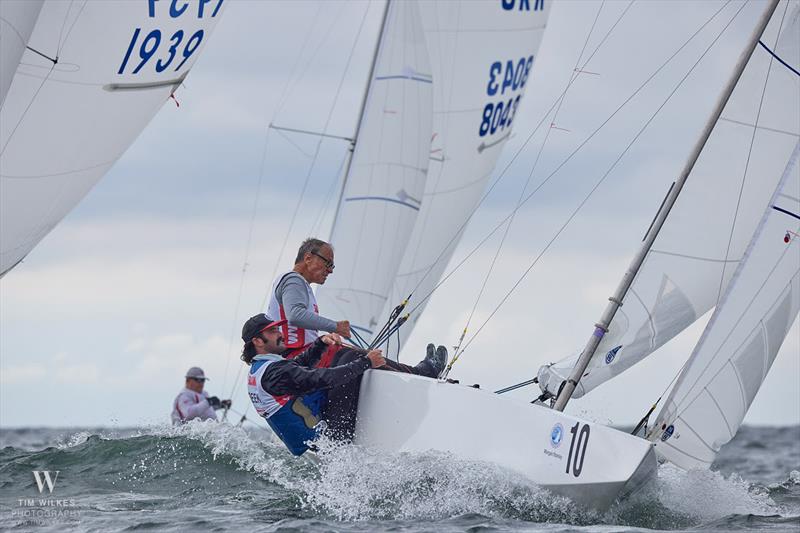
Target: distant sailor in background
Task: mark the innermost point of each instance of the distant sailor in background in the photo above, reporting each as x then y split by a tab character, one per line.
193	402
300	401
292	299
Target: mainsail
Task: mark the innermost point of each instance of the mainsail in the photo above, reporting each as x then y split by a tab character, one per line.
703	240
383	189
99	72
737	348
482	54
17	18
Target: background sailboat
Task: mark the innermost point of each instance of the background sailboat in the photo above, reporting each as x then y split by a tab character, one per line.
92	77
382	190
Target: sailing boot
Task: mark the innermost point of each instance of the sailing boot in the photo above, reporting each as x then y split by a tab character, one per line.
434	362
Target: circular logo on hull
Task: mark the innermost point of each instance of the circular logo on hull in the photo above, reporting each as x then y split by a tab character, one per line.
556	435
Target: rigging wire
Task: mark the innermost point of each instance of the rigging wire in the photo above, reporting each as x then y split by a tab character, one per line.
457	351
614	164
254	212
316	153
502	173
747	161
237	381
570	156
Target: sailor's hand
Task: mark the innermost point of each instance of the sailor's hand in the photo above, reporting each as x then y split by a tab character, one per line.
226	404
376	358
214	402
332	338
343	328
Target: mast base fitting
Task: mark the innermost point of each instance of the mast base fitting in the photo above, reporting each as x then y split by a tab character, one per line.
615	300
600	326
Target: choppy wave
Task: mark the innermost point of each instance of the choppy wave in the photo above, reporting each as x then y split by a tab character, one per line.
205	474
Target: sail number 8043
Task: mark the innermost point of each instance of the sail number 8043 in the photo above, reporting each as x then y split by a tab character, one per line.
505	79
577	448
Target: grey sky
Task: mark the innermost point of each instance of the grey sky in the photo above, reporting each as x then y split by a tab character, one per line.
141	280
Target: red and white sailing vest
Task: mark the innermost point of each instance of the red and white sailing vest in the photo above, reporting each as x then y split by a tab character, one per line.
293	337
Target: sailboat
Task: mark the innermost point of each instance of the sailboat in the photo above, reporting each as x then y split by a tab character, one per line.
80	81
755	279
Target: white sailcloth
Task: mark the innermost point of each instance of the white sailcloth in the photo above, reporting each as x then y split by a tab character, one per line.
67	119
735	352
696	253
17	18
482	54
384	186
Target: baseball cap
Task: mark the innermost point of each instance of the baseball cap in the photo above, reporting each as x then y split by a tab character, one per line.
258	323
196	373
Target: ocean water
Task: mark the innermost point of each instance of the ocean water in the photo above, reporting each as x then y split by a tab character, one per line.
216	477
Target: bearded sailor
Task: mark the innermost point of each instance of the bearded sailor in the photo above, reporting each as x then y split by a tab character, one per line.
293	301
297	398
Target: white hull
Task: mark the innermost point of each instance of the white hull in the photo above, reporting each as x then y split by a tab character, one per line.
405	413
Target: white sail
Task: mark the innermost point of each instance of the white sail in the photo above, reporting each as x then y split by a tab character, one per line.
384	186
696	253
737	348
102	70
17	18
482	54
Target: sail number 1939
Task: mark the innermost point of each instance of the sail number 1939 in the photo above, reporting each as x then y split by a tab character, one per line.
577	448
164	49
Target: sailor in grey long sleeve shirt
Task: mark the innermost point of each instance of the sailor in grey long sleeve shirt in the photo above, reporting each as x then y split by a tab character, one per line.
294	294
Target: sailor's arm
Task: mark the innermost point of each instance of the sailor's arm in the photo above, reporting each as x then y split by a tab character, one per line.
312	354
287	377
191	408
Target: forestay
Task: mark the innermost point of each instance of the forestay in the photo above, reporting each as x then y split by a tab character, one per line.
383	189
17	18
102	70
482	54
703	240
735	352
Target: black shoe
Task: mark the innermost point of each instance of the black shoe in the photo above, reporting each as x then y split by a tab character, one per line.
434	362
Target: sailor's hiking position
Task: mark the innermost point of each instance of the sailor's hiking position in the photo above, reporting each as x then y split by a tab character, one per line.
300	401
193	402
293	301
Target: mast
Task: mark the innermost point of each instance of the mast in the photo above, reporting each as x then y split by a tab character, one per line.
615	301
354	141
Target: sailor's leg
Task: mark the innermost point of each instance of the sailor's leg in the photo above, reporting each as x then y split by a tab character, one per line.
340	412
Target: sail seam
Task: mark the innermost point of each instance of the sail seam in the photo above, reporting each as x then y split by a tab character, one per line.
721	412
695	257
763	128
381	199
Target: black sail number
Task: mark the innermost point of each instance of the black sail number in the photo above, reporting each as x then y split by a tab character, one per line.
578	444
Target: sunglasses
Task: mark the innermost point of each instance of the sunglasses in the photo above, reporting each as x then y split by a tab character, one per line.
199	380
327	262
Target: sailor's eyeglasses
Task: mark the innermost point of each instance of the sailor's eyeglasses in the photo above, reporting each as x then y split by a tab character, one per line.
328	263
